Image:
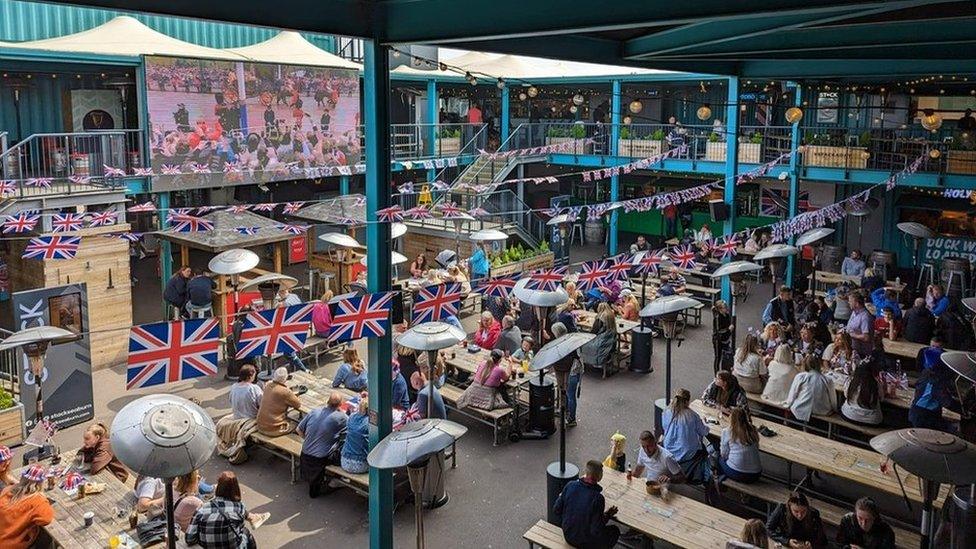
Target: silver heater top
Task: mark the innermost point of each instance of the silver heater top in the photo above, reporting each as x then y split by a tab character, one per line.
233	262
539	298
930	454
488	235
813	235
47	334
558	349
774	251
431	336
281	280
342	240
669	304
413	442
735	267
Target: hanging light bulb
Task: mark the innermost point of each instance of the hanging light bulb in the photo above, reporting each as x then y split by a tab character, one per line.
636	106
470	78
704	112
396	54
794	115
443	67
533	91
931	120
500	83
627	120
573	109
578	100
935	153
522	96
553	108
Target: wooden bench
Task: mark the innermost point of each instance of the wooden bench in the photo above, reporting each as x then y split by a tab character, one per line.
287	447
357	482
832	421
316	346
772	494
547	536
495	418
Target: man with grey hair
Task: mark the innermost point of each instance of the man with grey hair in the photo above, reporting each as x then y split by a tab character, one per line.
277	399
510	338
321	430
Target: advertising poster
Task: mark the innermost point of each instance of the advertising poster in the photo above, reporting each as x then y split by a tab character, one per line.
66	379
937	249
215	123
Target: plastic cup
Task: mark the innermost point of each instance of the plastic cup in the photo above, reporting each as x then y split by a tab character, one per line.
89	519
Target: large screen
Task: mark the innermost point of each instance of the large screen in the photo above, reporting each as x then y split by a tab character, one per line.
225	122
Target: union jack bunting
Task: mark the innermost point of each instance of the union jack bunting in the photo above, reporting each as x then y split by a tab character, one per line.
170	170
204	210
479	212
419	212
437	302
266	207
190	224
546	280
67	222
293	207
144	207
406	188
361	316
131	237
683	257
238	208
80	179
593	274
113	172
39	182
177	214
439	185
451	210
199	168
142	172
20	223
293	229
7	187
619	266
166	352
52	247
496	287
650	262
250	231
101	219
727	248
389	215
274	331
360	201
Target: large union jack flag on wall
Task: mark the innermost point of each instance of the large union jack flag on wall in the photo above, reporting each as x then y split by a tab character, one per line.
546	280
21	223
52	247
437	302
165	352
361	316
275	331
495	287
593	274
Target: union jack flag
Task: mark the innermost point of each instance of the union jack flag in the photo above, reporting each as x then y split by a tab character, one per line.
113	172
409	415
361	316
103	218
52	247
293	207
204	210
166	352
496	287
437	302
39	182
650	262
546	280
238	208
593	274
619	267
479	212
142	172
419	212
171	170
20	223
293	229
72	480
251	231
265	207
80	179
144	207
451	210
390	215
190	224
728	247
275	331
683	257
199	168
7	187
67	223
406	188
177	214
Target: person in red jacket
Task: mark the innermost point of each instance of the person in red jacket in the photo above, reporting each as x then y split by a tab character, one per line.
24	510
488	331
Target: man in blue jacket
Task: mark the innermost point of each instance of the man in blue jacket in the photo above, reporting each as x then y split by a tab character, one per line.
581	514
884	297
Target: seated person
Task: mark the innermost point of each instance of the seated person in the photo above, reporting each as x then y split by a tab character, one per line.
401	396
423	388
492	373
796	523
865	528
862	402
683	432
455	274
25	511
628	307
655	464
811	393
510	338
782	370
6	459
96	451
150	496
245	395
220	522
928	356
322	316
748	367
753	536
936	300
886	325
808	344
671	283
356	445
580	511
564	313
187	493
885	297
739	449
525	352
933	391
919	323
853	265
871	281
199	291
724	392
488	331
320	430
275	402
352	371
574	294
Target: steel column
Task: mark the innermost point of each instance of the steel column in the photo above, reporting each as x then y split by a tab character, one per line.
794	179
615	180
165	252
344	181
731	166
432	118
504	124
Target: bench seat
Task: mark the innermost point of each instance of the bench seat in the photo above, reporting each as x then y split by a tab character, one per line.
495	418
546	535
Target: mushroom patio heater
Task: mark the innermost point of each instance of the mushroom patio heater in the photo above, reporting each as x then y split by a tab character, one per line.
666	309
917	233
343	244
34	342
488	235
163	436
269	285
412	447
775	253
813	236
396	258
860	211
233	263
936	458
559	473
542	302
736	271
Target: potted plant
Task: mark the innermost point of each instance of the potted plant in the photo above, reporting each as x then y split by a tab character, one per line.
640	146
750	149
575	134
448	142
11	420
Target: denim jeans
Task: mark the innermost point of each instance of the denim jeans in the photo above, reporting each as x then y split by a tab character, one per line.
296	362
572	392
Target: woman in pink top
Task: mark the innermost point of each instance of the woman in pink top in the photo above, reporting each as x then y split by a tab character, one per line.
321	316
493	374
188	500
488	331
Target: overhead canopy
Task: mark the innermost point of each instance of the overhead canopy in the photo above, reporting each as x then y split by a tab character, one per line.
225	236
818	38
349	209
519	67
291	48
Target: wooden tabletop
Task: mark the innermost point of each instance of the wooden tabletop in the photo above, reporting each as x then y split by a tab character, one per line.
319	389
825	455
469	362
683	521
584	320
902	399
900	347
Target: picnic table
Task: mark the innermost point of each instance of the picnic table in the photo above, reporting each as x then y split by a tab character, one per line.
319	389
902	399
682	521
584	321
827	456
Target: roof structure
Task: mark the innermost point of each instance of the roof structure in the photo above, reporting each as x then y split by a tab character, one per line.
339	211
224	236
291	48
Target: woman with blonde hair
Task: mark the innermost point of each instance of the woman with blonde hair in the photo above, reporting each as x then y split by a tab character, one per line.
739	449
782	370
683	433
749	367
772	336
352	371
188	500
24	511
322	316
455	274
754	535
574	294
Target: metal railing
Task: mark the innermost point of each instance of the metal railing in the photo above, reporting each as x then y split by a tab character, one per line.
469	148
9	366
351	49
425	141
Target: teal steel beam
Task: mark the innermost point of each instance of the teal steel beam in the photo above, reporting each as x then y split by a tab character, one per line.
839	68
165	251
506	104
376	102
344	184
615	91
731	167
794	208
941	50
22	54
432	118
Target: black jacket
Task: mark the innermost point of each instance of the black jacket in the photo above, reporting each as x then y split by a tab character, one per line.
881	536
782	527
580	512
175	292
782	312
919	325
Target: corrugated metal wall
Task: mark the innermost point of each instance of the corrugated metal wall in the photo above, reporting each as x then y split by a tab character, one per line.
21	21
40	102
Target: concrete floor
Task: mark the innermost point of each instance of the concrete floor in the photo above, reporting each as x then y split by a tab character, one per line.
496	492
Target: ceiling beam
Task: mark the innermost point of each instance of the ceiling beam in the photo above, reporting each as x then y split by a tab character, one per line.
854	68
958	49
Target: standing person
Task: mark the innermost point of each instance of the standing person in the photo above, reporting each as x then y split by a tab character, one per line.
671	221
919	323
860	326
864	528
322	316
96	451
24	511
812	393
474	114
796	523
245	395
749	368
401	394
479	264
781	309
573	379
782	371
683	433
219	524
581	511
967	122
175	293
321	429
739	449
862	403
6	459
352	371
853	265
933	392
356	446
721	336
277	398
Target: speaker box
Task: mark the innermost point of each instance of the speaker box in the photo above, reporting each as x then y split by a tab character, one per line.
396	315
718	209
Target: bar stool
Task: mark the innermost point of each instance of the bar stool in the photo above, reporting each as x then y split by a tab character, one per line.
963	283
926	270
577	230
199	312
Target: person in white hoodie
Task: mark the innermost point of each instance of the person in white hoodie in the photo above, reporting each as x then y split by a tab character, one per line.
782	371
749	367
811	392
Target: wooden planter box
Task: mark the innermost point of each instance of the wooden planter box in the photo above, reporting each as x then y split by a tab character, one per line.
835	157
447	146
544	261
640	148
961	162
580	146
749	153
12	425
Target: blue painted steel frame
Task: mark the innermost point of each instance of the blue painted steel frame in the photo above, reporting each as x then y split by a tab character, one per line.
615	180
731	166
505	100
794	179
432	117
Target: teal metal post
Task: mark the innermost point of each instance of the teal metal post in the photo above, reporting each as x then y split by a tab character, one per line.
794	179
615	180
376	91
344	184
432	118
504	125
165	252
731	167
